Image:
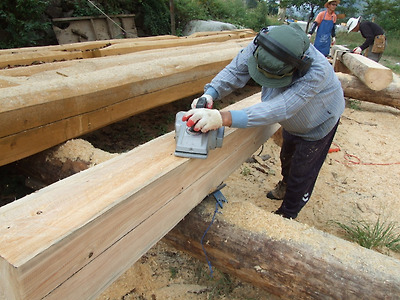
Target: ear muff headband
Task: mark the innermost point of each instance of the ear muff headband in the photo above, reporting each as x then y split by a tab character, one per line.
282	53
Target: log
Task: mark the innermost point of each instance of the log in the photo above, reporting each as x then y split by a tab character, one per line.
284	257
47	54
92	226
47	112
374	75
354	88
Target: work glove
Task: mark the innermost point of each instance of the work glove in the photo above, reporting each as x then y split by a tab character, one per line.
209	101
333	42
203	119
357	50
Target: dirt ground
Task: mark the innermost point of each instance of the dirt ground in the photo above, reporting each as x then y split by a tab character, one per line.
359	181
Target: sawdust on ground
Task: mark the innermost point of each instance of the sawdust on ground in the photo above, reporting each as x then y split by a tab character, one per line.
359	181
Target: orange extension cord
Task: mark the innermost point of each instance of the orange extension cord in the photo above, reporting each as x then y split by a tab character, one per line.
354	160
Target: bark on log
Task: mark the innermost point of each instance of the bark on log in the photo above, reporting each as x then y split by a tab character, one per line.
284	257
374	75
354	88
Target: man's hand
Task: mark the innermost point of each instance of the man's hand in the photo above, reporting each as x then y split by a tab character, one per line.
309	36
204	119
357	50
333	42
209	101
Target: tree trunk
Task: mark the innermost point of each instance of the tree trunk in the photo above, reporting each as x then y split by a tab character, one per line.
285	257
354	88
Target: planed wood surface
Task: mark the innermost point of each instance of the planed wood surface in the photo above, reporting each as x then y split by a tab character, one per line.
46	54
294	262
92	226
61	101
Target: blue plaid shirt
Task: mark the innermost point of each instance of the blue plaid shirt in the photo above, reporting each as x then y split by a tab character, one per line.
309	107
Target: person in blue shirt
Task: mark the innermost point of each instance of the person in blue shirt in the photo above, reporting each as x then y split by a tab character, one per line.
300	91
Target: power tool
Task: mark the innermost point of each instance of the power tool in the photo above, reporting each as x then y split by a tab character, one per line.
195	144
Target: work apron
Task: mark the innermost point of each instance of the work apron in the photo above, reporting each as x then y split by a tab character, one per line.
323	38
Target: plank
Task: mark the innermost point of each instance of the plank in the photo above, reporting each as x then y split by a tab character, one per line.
97	223
29	142
374	75
46	54
284	257
47	112
134	46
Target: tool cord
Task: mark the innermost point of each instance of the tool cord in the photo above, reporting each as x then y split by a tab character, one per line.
202	239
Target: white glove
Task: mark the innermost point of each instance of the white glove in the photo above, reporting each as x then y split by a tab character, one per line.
333	42
357	50
204	119
209	101
309	36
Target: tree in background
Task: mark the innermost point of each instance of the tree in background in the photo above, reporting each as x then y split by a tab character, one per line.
385	12
23	22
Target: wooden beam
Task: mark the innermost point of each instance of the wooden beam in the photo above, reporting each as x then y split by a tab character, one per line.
354	88
374	75
92	226
32	141
47	112
284	257
134	46
74	51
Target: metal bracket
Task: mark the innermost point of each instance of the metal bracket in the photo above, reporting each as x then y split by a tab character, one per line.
219	197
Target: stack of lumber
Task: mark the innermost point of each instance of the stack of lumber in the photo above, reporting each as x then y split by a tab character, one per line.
73	238
46	104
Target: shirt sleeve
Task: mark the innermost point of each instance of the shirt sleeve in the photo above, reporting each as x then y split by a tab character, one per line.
320	17
234	76
368	34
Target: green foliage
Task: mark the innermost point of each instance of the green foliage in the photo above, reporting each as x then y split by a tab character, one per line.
386	13
245	171
373	236
22	22
230	11
156	17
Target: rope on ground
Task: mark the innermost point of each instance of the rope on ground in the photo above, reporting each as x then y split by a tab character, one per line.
355	160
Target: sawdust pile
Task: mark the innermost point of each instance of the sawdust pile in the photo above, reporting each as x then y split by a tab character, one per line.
81	150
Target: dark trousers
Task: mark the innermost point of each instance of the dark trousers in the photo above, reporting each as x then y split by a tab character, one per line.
301	162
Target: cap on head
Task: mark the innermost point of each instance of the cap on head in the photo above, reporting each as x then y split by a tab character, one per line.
352	23
330	1
269	71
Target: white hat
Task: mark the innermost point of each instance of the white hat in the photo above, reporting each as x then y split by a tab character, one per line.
352	23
